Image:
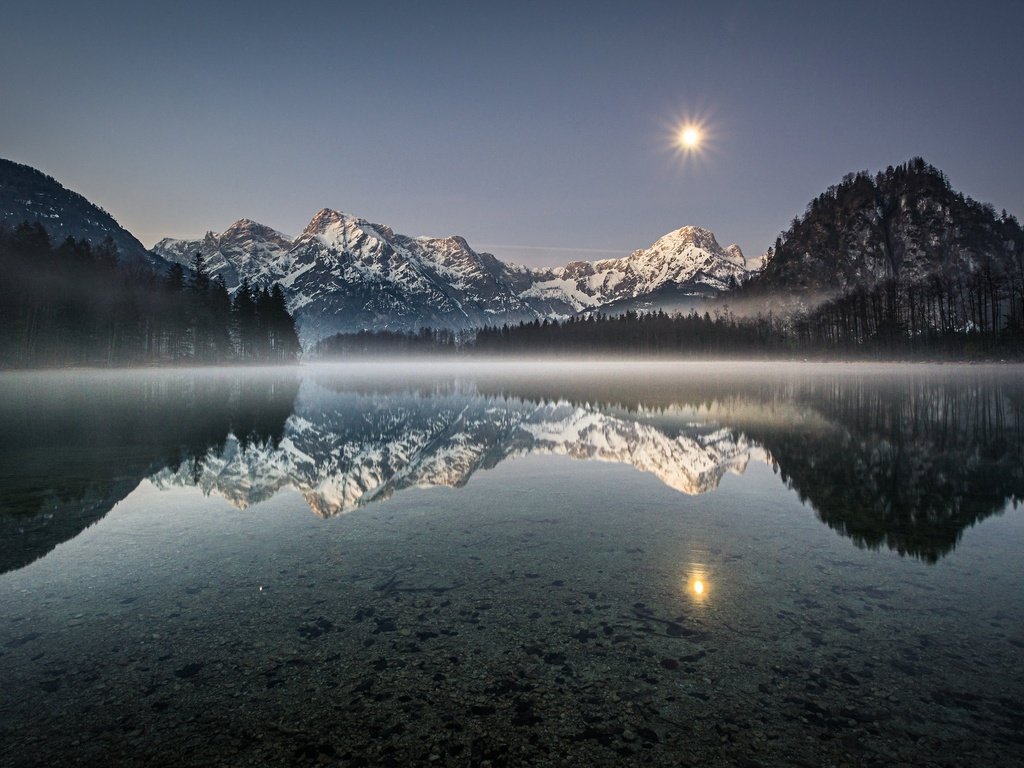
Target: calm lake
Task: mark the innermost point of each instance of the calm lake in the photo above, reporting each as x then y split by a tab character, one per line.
513	564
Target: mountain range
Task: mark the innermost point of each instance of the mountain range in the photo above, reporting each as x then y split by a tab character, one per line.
344	273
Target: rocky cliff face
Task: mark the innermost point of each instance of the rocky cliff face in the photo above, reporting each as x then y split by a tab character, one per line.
350	274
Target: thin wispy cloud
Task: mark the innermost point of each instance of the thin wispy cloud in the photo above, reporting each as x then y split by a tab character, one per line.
555	248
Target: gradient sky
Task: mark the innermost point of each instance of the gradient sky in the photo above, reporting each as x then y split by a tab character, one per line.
540	131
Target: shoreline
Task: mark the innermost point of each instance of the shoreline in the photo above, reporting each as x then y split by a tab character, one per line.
465	363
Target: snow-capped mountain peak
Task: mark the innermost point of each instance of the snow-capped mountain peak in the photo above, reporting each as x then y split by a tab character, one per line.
350	274
689	235
244	228
682	256
342	237
246	250
687	262
329	218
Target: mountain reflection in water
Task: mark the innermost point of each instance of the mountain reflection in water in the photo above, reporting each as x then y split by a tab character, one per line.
904	460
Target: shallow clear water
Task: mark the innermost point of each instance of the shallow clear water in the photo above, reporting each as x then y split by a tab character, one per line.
513	564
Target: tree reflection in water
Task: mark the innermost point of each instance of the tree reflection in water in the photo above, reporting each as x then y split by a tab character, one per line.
76	444
901	461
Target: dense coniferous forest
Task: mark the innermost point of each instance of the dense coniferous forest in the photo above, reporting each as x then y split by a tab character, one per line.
659	334
636	334
631	333
429	341
76	304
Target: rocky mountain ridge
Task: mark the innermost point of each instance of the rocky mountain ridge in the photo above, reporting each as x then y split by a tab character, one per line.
344	273
687	262
245	250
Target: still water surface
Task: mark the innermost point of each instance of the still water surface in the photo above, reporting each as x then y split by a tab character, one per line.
513	564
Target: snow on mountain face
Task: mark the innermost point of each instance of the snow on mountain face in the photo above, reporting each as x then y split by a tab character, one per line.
344	274
471	275
344	450
244	251
350	274
686	261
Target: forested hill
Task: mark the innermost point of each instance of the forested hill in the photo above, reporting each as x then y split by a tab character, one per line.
905	224
892	258
28	195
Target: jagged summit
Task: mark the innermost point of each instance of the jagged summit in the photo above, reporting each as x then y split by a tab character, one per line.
691	235
351	274
246	250
250	227
735	255
327	217
687	263
328	220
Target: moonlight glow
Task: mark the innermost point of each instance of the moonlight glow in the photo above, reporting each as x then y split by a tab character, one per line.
696	585
690	137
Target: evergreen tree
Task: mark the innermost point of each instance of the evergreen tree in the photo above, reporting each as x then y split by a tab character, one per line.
220	317
264	325
200	278
200	315
285	338
173	322
244	322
